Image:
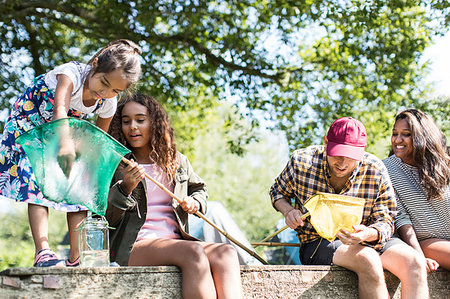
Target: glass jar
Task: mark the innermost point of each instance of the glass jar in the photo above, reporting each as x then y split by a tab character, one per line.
94	242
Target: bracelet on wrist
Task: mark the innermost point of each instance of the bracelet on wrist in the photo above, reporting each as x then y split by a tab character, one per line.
123	192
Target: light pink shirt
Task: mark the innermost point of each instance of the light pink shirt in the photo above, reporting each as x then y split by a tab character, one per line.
160	221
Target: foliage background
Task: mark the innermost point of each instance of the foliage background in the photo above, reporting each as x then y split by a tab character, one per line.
289	68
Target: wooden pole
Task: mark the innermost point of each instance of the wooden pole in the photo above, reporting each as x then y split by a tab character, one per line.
274	234
277	232
199	214
275	244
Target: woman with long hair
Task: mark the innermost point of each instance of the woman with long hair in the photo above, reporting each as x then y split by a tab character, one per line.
151	227
419	167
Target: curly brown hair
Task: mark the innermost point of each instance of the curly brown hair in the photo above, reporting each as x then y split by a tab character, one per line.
163	150
430	152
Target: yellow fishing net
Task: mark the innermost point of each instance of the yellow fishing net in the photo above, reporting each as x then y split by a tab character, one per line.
332	212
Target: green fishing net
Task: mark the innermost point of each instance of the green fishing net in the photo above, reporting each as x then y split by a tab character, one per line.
97	157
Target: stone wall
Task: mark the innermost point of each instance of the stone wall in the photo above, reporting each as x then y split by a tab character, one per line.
164	282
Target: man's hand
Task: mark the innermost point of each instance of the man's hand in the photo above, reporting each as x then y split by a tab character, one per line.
294	218
362	233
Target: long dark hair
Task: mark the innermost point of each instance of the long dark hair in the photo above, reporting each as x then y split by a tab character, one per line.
120	54
163	150
430	152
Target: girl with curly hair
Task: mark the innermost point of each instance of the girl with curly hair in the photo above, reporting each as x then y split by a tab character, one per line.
151	227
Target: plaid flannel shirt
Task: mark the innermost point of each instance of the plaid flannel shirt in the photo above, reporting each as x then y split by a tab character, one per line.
306	174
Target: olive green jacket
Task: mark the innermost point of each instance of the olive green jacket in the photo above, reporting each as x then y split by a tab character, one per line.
127	214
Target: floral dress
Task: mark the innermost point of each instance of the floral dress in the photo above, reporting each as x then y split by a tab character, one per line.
17	181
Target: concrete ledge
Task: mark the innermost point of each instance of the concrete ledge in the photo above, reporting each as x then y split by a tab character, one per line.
165	282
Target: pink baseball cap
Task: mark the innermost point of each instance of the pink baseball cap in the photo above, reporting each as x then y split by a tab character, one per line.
347	137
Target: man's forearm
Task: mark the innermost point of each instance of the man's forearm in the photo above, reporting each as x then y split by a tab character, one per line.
372	235
283	205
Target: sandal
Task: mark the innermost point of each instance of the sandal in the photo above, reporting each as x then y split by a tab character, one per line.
75	263
47	258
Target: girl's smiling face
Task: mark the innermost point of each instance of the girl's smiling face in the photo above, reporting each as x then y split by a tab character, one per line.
136	125
402	142
105	85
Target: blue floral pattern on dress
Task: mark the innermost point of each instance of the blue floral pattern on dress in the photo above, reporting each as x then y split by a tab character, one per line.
17	181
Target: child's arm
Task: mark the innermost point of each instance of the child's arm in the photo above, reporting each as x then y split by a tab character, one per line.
63	93
103	123
133	173
197	192
119	197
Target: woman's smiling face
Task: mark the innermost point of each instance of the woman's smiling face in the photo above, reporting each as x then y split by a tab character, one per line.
402	141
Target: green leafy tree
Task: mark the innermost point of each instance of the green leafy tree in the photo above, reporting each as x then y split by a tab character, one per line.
439	108
16	242
301	63
242	182
296	64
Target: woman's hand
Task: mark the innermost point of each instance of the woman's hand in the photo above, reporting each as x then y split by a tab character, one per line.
190	205
132	175
432	265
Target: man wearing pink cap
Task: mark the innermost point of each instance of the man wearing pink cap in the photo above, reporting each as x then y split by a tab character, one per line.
343	167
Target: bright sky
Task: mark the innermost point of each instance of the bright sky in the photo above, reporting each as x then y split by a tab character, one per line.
439	56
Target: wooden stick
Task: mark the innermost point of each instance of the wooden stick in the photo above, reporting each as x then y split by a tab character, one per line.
199	214
278	231
275	244
274	234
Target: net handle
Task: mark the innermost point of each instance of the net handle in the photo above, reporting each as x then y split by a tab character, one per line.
199	214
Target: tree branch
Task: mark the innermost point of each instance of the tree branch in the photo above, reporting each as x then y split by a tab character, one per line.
13	9
34	49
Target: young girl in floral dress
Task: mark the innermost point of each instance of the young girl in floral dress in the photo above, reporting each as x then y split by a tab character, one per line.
70	90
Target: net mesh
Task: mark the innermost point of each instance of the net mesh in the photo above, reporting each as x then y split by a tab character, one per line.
97	157
332	212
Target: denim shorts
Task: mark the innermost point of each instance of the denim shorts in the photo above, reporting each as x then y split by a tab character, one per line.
321	251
